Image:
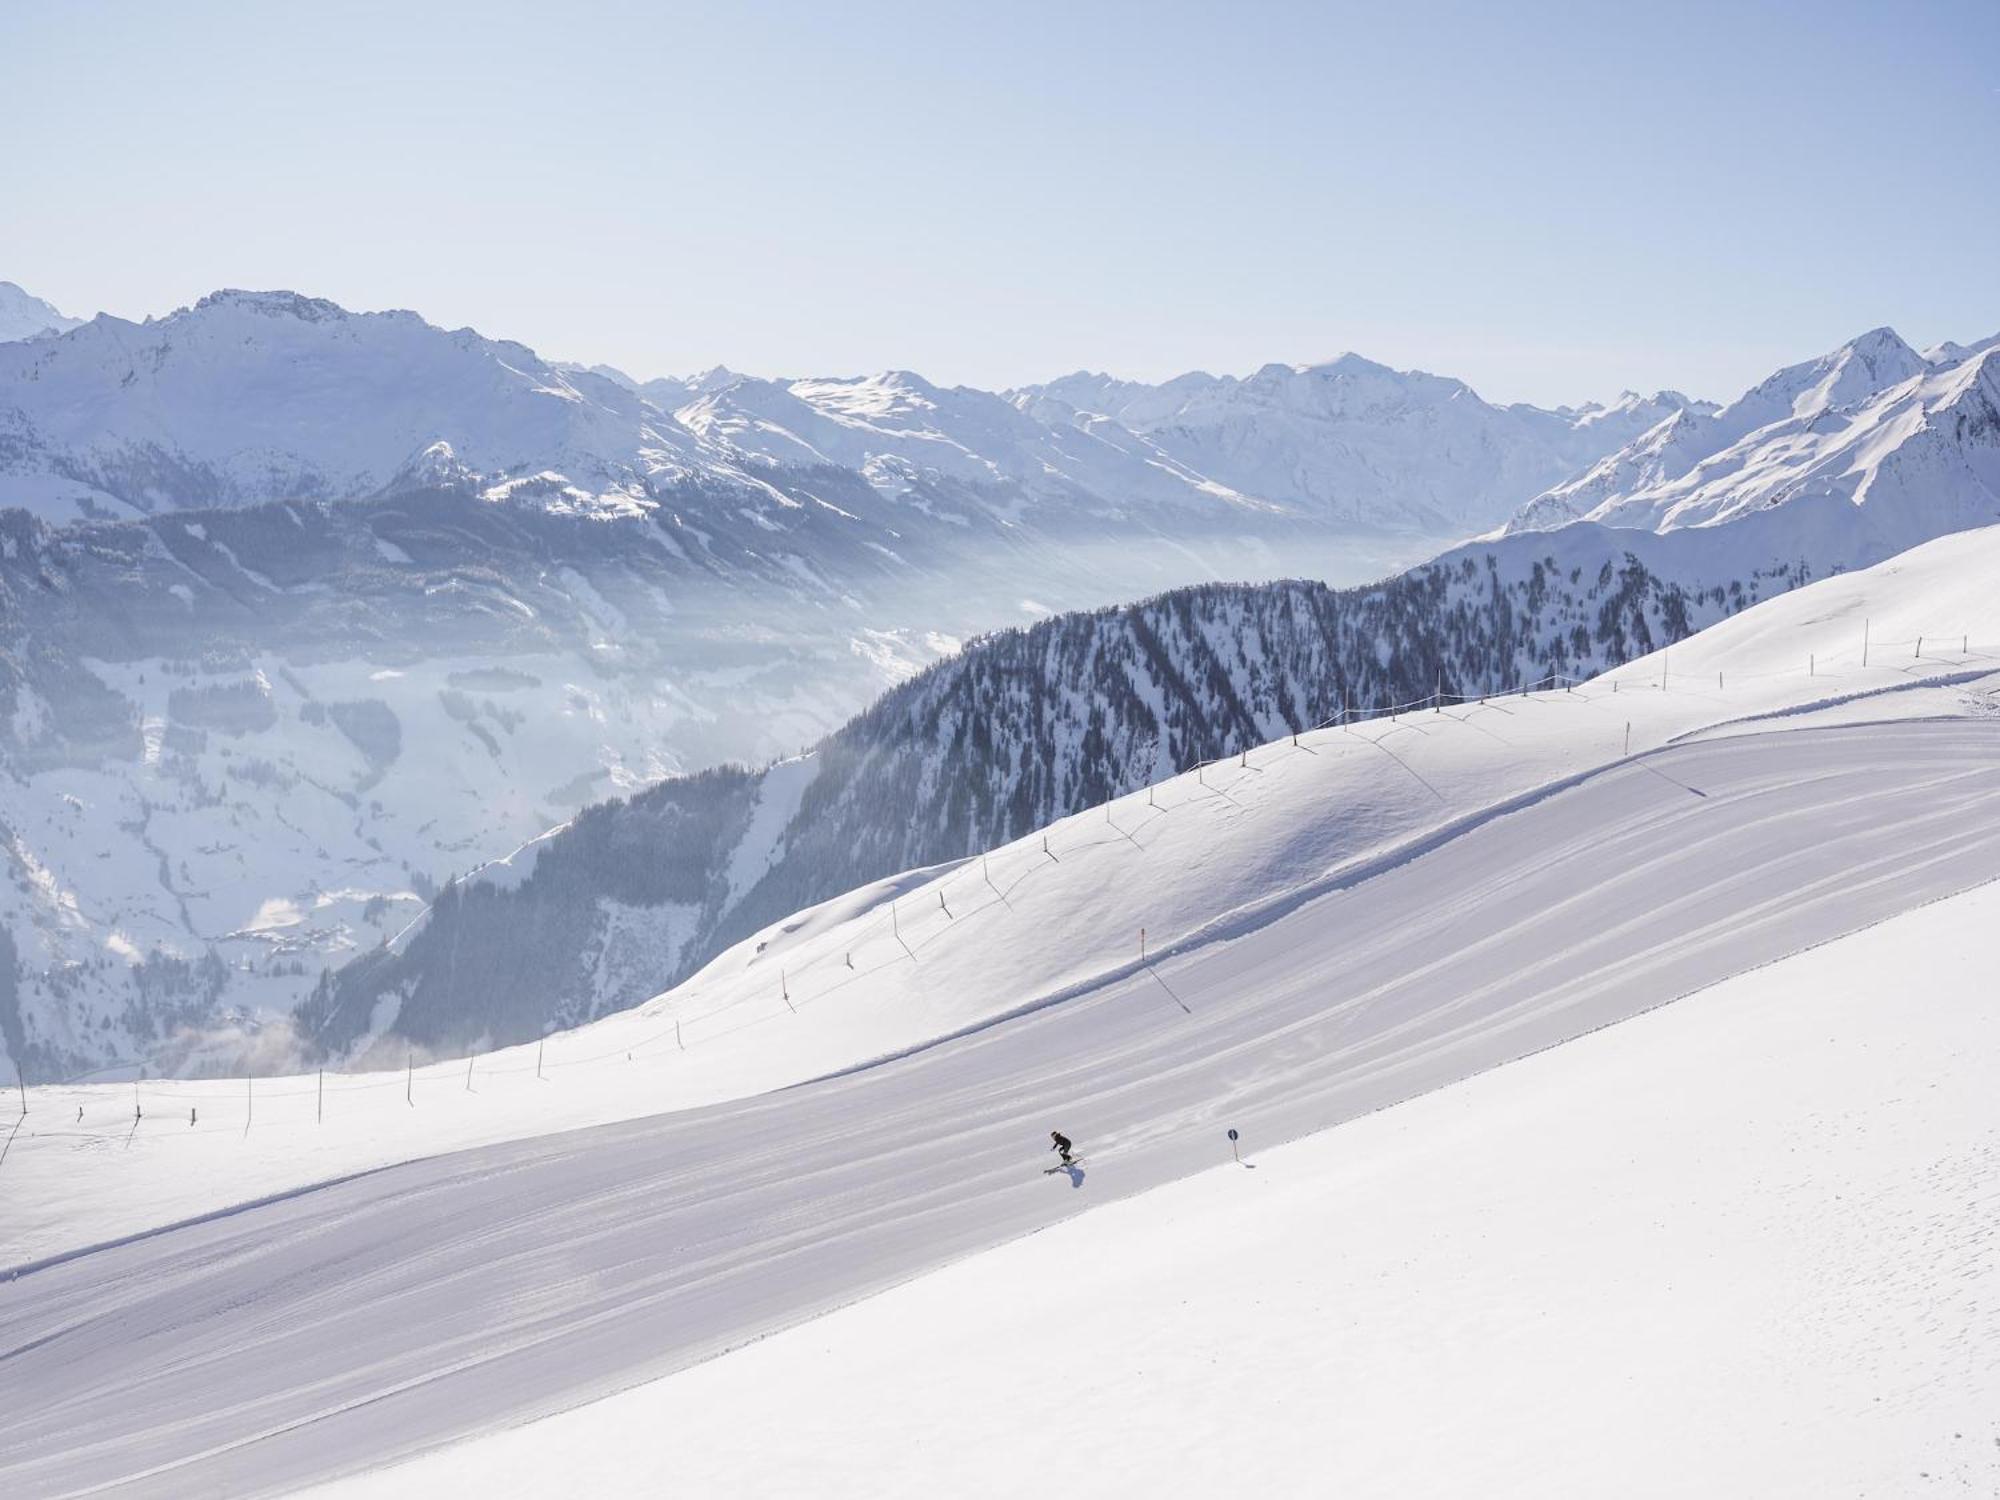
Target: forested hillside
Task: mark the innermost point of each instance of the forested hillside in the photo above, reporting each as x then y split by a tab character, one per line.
1023	727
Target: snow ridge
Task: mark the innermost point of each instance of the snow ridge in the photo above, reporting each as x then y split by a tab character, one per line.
1874	446
23	316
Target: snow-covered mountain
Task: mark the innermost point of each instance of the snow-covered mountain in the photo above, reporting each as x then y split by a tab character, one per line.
1354	440
898	430
249	397
505	590
240	745
1021	728
1869	449
23	316
246	746
498	591
258	396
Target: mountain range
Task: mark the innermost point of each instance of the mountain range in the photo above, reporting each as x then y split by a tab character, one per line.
1872	449
249	397
316	625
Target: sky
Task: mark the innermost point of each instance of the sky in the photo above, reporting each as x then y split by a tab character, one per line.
1552	202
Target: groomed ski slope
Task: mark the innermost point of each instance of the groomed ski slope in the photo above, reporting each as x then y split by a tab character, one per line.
900	963
380	1316
1740	1245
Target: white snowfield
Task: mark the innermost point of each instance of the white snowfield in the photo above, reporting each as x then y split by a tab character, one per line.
1334	927
1740	1245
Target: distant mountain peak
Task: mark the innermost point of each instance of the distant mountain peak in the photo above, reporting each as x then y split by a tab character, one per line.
275	304
1347	362
1880	338
715	378
1856	438
1950	353
24	315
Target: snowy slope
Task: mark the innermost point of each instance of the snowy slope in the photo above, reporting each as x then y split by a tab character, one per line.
1873	448
1020	728
1739	1245
1204	853
373	1317
23	316
1332	928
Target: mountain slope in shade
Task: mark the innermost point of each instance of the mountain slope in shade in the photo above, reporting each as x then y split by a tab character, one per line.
1878	447
25	316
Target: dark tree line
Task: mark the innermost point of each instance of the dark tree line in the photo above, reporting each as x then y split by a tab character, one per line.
1021	728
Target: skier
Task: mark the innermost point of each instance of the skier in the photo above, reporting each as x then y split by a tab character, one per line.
1062	1144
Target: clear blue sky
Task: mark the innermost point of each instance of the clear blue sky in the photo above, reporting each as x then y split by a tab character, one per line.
1550	201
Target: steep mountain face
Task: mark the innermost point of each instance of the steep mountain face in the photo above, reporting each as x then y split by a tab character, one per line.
23	316
1872	449
1019	729
1356	441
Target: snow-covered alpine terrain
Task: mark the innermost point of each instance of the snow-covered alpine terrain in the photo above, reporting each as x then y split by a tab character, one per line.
26	316
642	855
252	396
1353	437
1332	926
1870	449
386	602
1018	729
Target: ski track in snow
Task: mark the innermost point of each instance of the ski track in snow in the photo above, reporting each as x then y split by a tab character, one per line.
1739	1246
378	1317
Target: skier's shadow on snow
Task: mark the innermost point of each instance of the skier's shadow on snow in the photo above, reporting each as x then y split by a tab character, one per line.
1075	1174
